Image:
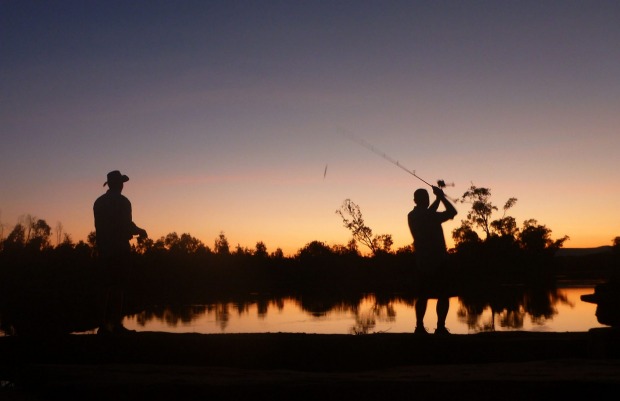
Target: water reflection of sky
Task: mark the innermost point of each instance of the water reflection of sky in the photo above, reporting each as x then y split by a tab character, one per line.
570	314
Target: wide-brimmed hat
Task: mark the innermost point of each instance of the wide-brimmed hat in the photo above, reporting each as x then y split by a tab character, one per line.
115	176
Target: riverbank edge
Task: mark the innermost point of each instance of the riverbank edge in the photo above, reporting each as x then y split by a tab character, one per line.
301	351
157	365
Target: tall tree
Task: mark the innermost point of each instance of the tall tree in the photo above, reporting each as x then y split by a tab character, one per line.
481	214
353	220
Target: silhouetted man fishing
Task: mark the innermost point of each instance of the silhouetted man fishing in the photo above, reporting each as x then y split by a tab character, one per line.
431	255
114	228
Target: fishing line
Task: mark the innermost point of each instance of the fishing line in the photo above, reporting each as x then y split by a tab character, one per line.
375	150
388	158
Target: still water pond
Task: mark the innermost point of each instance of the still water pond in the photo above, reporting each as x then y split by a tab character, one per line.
561	311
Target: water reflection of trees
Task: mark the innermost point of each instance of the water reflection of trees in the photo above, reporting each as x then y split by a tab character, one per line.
172	315
509	306
175	315
485	309
366	319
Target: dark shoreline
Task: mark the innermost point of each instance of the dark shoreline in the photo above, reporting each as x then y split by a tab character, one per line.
308	366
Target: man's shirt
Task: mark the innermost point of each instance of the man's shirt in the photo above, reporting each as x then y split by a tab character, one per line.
113	223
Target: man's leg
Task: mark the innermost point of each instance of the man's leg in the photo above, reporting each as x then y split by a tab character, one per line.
113	281
443	304
420	311
116	307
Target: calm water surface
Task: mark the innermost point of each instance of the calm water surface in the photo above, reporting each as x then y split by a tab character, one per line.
566	312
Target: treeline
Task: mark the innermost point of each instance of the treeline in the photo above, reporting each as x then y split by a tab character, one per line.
486	246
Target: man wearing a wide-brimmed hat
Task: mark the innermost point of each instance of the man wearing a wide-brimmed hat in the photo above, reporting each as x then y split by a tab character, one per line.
114	228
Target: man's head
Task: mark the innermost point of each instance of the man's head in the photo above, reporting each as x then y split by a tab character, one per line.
116	180
420	197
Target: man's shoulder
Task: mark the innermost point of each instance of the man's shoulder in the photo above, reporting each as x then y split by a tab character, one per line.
101	199
416	211
111	197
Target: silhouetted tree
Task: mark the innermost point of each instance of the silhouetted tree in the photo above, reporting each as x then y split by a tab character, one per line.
536	238
16	238
221	245
504	245
405	250
481	208
353	220
314	249
28	221
352	246
1	230
191	245
383	243
465	235
185	244
65	247
58	230
480	214
277	254
505	227
343	250
91	239
67	241
261	250
171	240
146	244
615	243
242	251
40	233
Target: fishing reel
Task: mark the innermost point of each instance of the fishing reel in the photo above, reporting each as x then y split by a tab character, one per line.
442	184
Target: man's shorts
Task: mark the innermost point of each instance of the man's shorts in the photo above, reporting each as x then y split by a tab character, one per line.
435	280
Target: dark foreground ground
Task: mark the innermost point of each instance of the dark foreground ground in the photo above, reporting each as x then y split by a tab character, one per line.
160	366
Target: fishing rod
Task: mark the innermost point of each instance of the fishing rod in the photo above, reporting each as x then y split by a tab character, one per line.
440	183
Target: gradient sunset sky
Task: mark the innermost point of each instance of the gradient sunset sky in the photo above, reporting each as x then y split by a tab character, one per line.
225	114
